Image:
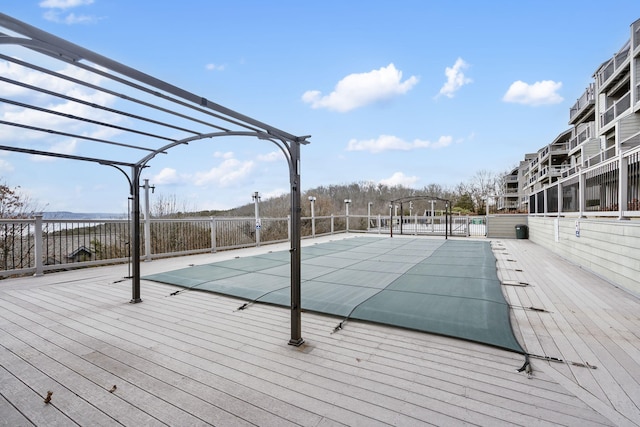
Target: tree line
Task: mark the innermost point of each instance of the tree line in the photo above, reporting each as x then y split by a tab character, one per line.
367	197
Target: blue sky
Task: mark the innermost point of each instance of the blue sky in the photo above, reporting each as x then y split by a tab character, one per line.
403	92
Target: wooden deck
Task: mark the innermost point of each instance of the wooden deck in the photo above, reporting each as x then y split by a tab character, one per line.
194	359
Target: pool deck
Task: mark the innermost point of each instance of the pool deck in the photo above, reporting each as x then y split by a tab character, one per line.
194	359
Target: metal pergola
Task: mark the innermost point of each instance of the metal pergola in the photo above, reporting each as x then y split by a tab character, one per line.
402	200
120	104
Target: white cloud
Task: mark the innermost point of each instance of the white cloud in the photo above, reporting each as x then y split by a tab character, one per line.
215	67
274	193
56	11
63	4
455	78
358	90
6	166
399	178
229	172
390	142
273	156
539	93
225	155
167	176
70	19
67	146
40	119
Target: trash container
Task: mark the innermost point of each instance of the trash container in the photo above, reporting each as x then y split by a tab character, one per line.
522	231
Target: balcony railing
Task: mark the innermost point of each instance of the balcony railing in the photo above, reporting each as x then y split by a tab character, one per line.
588	98
543	153
619	107
584	134
612	66
597	192
600	157
558	148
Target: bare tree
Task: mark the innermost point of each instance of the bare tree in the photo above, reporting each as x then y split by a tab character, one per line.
164	206
15	251
15	204
482	186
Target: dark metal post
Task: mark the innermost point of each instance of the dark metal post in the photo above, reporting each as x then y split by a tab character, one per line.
134	246
446	220
296	299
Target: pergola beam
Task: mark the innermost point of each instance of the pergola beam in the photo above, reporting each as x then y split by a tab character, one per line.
207	118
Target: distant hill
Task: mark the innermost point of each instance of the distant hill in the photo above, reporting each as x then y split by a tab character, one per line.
81	215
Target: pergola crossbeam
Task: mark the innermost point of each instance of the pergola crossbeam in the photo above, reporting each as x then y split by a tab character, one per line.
185	117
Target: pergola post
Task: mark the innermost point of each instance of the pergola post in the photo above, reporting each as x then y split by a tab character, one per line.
296	300
134	240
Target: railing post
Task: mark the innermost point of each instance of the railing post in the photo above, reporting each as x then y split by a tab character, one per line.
39	246
379	224
147	222
213	224
623	181
256	200
582	188
331	223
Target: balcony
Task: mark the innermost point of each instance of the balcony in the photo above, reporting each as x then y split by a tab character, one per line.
584	133
569	171
548	172
611	68
583	104
618	107
600	157
544	153
559	148
533	163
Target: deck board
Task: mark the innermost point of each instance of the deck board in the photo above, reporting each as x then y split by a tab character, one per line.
195	359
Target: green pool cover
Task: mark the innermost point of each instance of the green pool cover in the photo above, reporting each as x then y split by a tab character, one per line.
446	287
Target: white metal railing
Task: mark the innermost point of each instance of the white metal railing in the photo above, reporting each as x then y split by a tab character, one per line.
613	65
583	134
587	98
36	245
618	107
594	189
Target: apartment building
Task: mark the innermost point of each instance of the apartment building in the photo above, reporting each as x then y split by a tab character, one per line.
593	168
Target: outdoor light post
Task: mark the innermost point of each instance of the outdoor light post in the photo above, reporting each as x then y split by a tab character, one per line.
312	199
433	213
346	206
256	201
147	220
